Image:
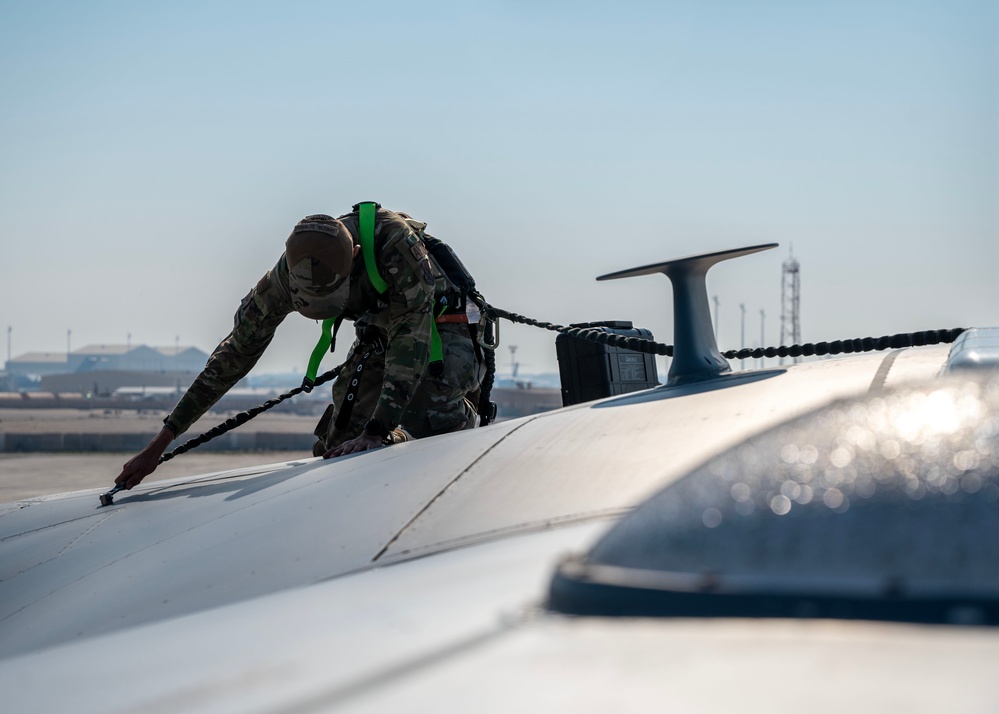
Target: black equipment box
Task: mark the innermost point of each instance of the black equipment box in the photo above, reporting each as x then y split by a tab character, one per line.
590	370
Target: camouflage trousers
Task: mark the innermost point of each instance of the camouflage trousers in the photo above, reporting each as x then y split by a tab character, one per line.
441	404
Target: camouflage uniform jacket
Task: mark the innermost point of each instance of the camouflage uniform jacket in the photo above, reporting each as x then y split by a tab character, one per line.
402	316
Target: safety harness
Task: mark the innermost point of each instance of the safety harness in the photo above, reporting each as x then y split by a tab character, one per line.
366	211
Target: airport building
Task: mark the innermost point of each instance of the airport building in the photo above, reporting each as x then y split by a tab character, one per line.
124	358
105	368
38	364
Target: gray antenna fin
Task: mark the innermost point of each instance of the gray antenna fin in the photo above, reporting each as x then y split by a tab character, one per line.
695	350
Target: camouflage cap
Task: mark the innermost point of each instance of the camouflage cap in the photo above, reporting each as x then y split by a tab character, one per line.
319	253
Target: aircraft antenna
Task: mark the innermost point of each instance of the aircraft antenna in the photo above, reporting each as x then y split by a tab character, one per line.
790	303
695	351
716	317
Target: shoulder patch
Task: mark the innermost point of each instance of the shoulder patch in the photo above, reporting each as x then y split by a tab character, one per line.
418	258
264	283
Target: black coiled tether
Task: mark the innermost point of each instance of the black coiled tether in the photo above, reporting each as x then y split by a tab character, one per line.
231	423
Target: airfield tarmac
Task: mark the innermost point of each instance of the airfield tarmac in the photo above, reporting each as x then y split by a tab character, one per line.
40	473
28	475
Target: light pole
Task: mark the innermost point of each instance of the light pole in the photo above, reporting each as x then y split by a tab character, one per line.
763	342
742	334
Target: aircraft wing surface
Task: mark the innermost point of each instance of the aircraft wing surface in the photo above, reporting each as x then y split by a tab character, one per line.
327	560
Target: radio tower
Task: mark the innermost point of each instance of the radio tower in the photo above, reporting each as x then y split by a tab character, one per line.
790	303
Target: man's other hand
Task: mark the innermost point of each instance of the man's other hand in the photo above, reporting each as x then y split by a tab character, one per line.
363	442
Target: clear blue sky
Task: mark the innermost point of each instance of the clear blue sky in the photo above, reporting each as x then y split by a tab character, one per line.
153	157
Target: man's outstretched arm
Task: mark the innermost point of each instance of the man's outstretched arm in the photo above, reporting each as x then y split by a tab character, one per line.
146	461
258	316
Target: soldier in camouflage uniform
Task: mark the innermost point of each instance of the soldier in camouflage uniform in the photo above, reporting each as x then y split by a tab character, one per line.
323	274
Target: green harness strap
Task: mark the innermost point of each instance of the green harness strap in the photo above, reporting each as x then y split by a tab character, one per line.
366	227
325	342
436	348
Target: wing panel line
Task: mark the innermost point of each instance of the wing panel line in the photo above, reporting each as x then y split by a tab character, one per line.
449	484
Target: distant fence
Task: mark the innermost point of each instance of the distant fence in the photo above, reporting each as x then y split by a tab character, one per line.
512	403
48	400
70	442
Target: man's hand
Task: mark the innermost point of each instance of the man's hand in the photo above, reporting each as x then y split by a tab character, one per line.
363	442
146	461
